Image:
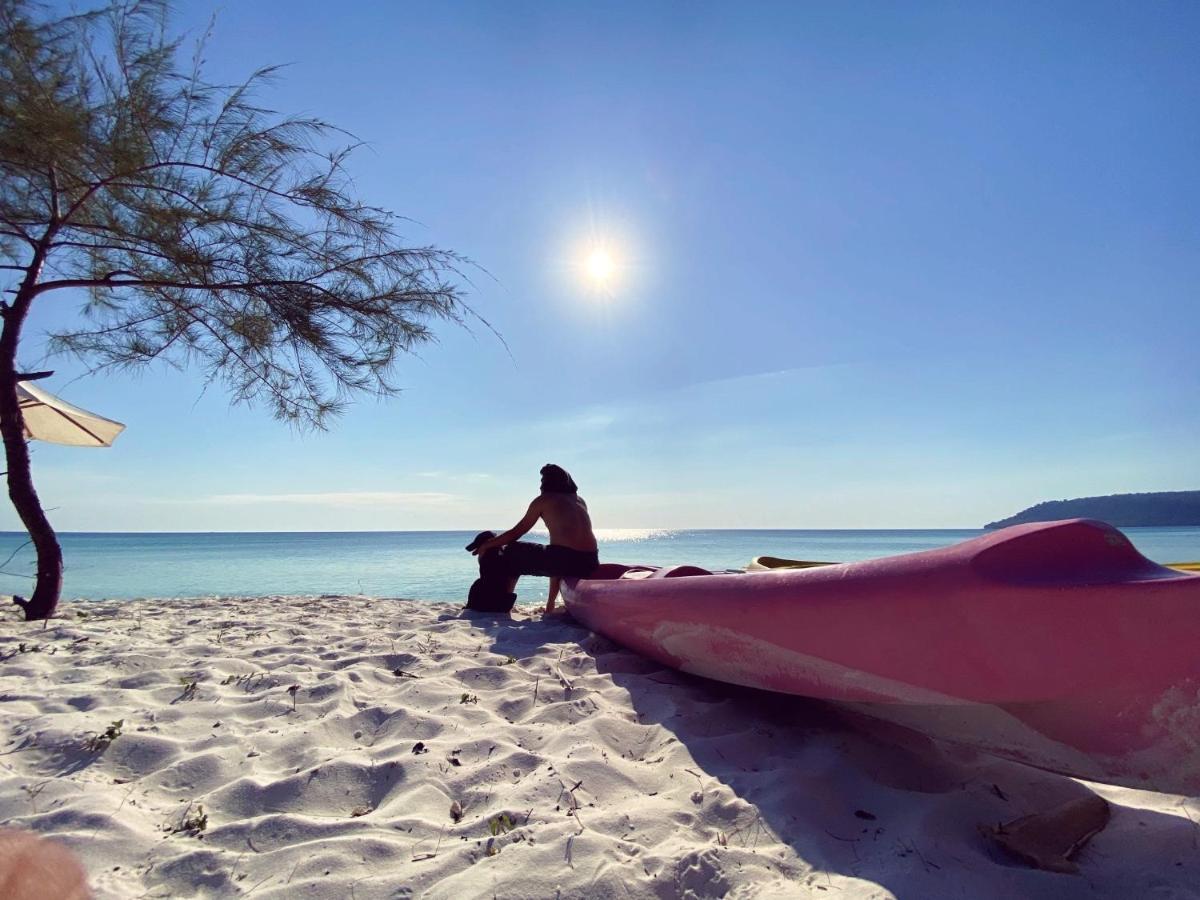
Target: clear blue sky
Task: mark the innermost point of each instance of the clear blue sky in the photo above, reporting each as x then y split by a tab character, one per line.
879	265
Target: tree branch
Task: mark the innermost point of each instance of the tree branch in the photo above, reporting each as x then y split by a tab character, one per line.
18	231
108	282
54	210
183	164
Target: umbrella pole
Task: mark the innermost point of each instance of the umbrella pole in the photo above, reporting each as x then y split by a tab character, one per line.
16	451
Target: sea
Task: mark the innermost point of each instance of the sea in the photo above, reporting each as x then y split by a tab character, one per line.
433	565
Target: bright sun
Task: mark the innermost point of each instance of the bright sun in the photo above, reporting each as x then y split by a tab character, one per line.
600	266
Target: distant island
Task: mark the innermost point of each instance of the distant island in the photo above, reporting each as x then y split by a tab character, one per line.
1123	510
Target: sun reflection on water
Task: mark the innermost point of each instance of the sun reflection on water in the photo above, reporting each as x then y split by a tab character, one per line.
632	534
606	535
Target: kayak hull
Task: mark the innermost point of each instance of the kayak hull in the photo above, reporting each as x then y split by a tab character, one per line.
1056	644
767	563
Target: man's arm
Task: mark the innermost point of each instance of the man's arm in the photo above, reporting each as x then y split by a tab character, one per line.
527	521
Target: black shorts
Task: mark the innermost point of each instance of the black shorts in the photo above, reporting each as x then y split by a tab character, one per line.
549	561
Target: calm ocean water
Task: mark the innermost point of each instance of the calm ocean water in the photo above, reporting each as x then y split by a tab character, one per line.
432	565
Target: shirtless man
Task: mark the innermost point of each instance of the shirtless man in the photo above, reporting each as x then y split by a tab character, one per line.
572	549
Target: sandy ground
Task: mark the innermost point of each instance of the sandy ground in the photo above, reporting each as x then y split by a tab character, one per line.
346	747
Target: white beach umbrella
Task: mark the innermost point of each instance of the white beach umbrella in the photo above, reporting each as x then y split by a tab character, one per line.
49	418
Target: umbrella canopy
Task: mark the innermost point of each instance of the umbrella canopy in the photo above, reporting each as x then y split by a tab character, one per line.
49	418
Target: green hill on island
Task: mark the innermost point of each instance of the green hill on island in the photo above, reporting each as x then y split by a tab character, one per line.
1123	510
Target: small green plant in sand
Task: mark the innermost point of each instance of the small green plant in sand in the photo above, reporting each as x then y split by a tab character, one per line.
468	698
248	681
192	822
500	824
189	686
98	742
294	690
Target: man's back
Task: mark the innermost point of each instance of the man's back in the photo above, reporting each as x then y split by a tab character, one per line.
566	517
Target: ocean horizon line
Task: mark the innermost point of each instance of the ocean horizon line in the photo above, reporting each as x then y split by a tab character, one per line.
613	533
601	532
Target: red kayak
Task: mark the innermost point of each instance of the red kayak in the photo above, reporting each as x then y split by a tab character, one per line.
1056	644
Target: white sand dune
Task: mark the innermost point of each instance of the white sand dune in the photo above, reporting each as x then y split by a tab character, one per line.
422	753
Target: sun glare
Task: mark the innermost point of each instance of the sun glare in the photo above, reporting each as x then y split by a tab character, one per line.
599	263
600	266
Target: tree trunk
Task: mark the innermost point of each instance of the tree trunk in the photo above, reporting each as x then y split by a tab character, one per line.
16	451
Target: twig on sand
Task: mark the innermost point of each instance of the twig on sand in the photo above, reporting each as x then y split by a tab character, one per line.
1195	824
259	884
756	828
926	862
436	847
574	812
572	801
838	837
911	847
33	791
128	793
853	842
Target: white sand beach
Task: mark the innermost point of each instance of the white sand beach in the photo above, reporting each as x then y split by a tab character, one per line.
347	747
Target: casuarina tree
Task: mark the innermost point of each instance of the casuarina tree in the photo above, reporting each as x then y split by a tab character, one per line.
195	227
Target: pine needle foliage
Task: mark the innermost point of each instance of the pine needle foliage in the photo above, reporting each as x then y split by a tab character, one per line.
206	230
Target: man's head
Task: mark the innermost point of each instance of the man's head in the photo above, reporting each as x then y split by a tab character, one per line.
556	479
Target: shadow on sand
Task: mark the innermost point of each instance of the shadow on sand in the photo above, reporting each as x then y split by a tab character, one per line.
874	801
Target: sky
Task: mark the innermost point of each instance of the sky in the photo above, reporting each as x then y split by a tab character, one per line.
875	265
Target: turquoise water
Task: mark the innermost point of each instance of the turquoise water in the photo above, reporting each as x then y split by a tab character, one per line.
432	565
